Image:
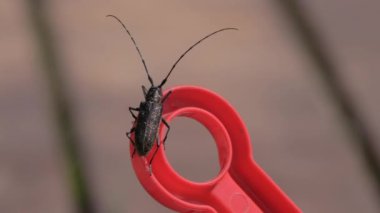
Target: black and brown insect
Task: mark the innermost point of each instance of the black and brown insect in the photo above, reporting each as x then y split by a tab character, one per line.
149	118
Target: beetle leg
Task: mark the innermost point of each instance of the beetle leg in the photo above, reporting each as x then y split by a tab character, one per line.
133	109
129	133
155	152
158	139
166	96
129	137
133	153
167	132
151	160
133	143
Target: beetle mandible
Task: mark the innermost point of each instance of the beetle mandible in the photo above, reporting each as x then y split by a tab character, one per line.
149	116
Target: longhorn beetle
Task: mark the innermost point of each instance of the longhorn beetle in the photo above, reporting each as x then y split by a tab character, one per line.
149	116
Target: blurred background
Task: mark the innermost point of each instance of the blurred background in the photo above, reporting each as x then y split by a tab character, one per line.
302	74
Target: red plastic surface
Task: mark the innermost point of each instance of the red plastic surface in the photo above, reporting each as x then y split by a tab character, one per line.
240	186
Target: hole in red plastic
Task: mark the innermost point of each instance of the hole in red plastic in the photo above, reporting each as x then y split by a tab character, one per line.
191	150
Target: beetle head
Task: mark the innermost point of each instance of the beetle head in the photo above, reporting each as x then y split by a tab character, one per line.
154	94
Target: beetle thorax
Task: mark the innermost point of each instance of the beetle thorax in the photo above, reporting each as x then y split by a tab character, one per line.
154	94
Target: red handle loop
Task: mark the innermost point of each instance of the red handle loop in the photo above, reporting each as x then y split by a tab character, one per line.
240	186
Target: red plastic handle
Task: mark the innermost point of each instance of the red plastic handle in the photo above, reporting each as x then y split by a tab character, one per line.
240	186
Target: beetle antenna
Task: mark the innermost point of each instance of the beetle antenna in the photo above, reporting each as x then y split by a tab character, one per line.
137	48
183	54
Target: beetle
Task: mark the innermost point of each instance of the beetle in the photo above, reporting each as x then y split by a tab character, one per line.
149	118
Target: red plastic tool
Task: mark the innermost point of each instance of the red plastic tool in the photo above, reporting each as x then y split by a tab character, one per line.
240	186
